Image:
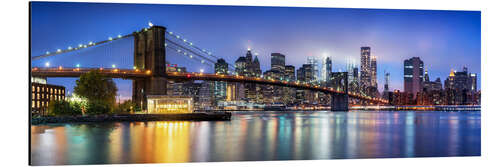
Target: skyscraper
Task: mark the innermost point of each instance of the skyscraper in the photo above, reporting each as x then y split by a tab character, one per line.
315	68
373	71
413	75
366	73
326	70
278	62
221	67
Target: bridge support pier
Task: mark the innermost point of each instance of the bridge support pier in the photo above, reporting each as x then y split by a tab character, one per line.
339	102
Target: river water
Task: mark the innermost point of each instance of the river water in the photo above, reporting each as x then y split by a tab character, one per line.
258	136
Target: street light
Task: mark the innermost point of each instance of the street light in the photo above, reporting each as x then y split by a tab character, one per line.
113	65
47	64
201	70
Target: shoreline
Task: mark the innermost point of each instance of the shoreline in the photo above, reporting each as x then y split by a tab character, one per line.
200	116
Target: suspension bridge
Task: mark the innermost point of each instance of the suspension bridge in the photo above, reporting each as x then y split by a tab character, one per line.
149	75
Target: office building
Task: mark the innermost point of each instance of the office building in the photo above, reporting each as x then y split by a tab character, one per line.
413	75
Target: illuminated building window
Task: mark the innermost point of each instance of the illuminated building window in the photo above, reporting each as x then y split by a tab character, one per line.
32	104
37	104
33	95
38	89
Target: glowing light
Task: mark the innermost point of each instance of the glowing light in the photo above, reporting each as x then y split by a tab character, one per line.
184	40
202	61
190	56
135	67
165	44
110	38
58	50
170	32
69	48
84	46
78	65
178	50
90	43
119	36
150	24
190	43
113	65
47	52
178	36
47	64
80	45
202	70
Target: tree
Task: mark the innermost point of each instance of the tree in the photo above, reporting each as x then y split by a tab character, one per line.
63	108
99	91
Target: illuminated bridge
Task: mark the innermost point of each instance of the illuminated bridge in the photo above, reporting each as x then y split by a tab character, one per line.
149	75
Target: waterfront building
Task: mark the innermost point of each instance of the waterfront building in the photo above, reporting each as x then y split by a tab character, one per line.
461	87
413	75
162	104
42	94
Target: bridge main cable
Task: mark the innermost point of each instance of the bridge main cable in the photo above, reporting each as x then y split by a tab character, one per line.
81	46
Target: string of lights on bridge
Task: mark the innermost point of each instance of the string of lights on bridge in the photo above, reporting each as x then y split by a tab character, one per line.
184	50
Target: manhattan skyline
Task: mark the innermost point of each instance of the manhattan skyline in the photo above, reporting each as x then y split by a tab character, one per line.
393	35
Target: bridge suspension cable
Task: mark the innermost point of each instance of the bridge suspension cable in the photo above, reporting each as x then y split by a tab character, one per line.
199	52
79	47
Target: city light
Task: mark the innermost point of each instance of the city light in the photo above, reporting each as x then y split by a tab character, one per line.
119	36
47	52
110	38
113	65
150	24
201	70
58	50
77	65
47	64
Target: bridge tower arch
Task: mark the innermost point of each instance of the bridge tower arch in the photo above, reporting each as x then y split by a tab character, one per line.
149	55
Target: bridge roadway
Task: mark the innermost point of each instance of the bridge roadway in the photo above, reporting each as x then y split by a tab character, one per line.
136	74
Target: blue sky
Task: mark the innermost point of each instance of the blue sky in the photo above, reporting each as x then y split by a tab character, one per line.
444	40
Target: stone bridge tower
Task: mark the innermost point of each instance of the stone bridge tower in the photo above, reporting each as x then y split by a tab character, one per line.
149	55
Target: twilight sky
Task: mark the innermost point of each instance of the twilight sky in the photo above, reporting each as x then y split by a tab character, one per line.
444	40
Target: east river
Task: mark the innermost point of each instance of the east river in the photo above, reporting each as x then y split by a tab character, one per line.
258	136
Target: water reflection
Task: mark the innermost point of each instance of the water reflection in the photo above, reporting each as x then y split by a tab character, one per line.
261	136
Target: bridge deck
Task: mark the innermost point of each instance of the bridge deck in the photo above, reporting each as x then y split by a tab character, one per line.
138	74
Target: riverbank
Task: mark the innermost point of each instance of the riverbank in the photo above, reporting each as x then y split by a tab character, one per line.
200	116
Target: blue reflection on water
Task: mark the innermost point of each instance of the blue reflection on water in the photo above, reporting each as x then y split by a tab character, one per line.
262	136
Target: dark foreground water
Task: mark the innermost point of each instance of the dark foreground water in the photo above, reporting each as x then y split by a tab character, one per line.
258	136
